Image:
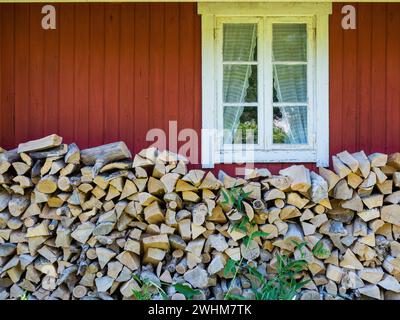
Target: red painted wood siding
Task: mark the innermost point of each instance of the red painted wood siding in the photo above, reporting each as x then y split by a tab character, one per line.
108	72
113	71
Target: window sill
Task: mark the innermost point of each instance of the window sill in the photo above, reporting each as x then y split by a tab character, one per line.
267	156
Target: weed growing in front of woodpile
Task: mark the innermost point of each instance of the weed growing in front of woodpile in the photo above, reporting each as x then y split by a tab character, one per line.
24	296
284	285
149	288
235	197
146	286
187	291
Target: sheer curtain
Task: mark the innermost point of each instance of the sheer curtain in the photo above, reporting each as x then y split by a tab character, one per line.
295	118
290	80
239	45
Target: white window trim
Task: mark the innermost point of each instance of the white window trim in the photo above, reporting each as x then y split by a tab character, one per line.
319	12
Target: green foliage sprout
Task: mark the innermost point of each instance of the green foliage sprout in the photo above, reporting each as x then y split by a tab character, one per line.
145	292
25	296
235	197
319	250
284	285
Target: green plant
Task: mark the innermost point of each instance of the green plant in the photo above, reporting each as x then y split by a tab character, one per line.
235	197
234	266
299	246
146	292
25	296
319	250
187	291
284	285
248	130
279	136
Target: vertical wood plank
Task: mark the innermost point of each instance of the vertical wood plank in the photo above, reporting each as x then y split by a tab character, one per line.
81	74
393	79
141	56
364	59
156	66
50	80
349	108
36	124
7	76
22	82
111	73
378	81
186	68
335	79
96	75
171	62
66	22
126	73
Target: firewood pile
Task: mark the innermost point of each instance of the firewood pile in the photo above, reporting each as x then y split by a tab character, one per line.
77	224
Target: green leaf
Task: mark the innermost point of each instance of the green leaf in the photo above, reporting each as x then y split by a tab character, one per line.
245	195
226	197
231	296
299	245
246	241
243	223
187	291
137	278
258	234
230	267
256	273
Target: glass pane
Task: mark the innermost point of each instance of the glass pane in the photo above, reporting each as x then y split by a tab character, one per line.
240	42
240	125
240	83
290	125
289	42
290	83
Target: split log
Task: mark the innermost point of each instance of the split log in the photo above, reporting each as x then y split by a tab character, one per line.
40	144
102	155
300	176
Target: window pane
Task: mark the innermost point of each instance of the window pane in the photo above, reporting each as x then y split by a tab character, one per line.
240	125
290	125
290	83
290	42
240	42
240	83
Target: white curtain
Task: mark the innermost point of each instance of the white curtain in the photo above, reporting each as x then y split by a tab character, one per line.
290	81
239	45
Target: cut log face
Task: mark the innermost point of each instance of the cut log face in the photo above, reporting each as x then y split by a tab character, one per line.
391	214
363	162
348	160
300	176
340	168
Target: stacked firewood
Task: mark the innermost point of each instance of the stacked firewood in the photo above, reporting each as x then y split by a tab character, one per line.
78	224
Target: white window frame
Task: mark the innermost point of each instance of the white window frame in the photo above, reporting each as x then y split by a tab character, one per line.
316	15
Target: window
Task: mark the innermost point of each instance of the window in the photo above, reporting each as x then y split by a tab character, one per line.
265	83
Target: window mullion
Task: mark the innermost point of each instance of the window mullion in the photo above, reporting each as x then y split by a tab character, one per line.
268	87
311	119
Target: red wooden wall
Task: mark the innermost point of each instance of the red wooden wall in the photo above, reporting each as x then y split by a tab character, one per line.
113	71
108	72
